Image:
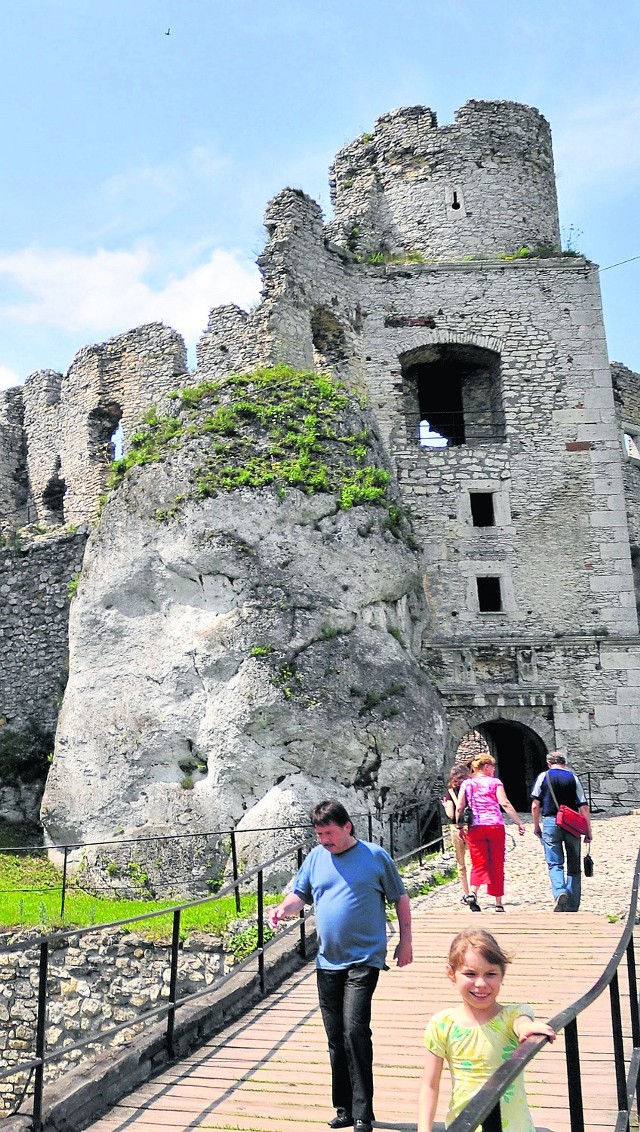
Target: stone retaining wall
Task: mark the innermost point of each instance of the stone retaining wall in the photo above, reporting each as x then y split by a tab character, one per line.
95	981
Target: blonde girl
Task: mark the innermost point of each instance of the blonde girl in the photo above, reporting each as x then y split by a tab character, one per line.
476	1037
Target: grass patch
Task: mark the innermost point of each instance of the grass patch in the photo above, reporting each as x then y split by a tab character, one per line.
30	892
276	426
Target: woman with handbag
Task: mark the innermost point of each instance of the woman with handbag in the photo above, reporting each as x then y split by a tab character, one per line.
485	796
555	790
458	773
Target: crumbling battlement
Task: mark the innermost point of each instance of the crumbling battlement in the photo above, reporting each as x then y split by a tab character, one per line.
55	433
479	187
512	446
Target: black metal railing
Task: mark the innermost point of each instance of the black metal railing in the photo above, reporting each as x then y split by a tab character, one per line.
416	816
484	1109
37	1064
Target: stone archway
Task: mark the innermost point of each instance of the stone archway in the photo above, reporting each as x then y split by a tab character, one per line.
520	755
517	737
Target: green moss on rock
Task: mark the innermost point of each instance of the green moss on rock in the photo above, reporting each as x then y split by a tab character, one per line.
276	426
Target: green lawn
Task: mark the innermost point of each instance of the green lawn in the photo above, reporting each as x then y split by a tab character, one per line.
30	896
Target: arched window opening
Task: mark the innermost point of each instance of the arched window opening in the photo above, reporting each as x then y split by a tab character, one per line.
104	431
453	396
53	496
329	341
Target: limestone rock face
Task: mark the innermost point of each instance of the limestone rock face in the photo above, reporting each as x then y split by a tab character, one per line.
240	661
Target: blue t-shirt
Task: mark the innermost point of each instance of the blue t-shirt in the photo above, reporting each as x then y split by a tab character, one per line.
349	891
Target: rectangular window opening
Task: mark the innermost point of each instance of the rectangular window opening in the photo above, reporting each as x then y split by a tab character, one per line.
482	508
489	595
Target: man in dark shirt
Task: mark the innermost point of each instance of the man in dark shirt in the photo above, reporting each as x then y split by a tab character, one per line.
558	842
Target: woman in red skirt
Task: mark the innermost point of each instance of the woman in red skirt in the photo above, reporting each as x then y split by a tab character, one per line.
486	834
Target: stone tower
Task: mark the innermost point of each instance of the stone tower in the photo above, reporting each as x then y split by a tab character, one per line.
487	369
440	291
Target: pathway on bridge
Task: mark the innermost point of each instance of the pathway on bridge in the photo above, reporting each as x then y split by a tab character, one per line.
269	1071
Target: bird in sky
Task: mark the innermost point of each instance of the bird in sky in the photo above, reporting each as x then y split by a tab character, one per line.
168	31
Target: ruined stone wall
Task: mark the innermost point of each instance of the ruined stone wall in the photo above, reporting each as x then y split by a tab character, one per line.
69	420
35	573
309	316
95	982
626	391
13	478
481	186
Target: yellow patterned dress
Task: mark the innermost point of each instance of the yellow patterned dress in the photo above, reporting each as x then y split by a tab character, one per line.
473	1053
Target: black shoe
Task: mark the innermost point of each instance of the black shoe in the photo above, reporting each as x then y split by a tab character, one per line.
472	903
341	1120
362	1126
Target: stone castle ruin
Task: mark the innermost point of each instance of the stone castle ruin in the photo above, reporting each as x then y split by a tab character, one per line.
441	293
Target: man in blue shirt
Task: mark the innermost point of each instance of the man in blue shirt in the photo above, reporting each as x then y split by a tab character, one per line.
557	841
349	882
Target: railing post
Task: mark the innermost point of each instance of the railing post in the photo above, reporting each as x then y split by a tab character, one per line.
261	931
618	1046
173	981
574	1082
392	840
303	927
370	827
234	863
633	994
493	1122
40	1036
63	894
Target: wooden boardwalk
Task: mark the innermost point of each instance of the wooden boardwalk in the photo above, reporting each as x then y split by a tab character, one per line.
269	1071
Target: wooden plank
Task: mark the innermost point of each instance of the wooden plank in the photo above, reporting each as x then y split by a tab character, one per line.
269	1070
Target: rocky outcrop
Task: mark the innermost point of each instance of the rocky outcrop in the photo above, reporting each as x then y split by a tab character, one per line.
241	656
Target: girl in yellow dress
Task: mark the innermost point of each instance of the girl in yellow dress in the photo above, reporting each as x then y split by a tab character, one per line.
478	1036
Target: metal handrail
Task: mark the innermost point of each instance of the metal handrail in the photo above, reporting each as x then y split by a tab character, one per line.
37	1063
394	817
44	943
484	1108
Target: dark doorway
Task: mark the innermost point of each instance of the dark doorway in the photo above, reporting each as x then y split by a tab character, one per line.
520	755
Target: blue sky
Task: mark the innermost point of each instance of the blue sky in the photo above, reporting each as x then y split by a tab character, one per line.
136	165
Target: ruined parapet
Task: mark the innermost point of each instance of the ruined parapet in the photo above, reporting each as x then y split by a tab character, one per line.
70	420
479	187
293	255
13	478
626	394
230	342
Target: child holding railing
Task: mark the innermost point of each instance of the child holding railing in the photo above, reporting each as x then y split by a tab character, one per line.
476	1037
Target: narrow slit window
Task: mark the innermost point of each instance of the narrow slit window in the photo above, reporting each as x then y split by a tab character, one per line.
482	509
489	595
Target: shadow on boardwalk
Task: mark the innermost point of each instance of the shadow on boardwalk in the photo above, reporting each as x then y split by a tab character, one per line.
269	1071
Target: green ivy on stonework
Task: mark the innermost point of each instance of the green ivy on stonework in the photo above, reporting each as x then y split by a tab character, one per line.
275	426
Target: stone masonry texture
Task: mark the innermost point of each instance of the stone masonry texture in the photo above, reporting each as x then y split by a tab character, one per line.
505	427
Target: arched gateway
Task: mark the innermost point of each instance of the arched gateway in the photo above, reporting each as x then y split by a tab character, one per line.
519	753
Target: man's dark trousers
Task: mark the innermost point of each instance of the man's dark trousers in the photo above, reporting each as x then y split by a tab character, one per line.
345	1003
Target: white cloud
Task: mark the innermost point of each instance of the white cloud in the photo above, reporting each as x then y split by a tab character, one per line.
108	292
8	378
